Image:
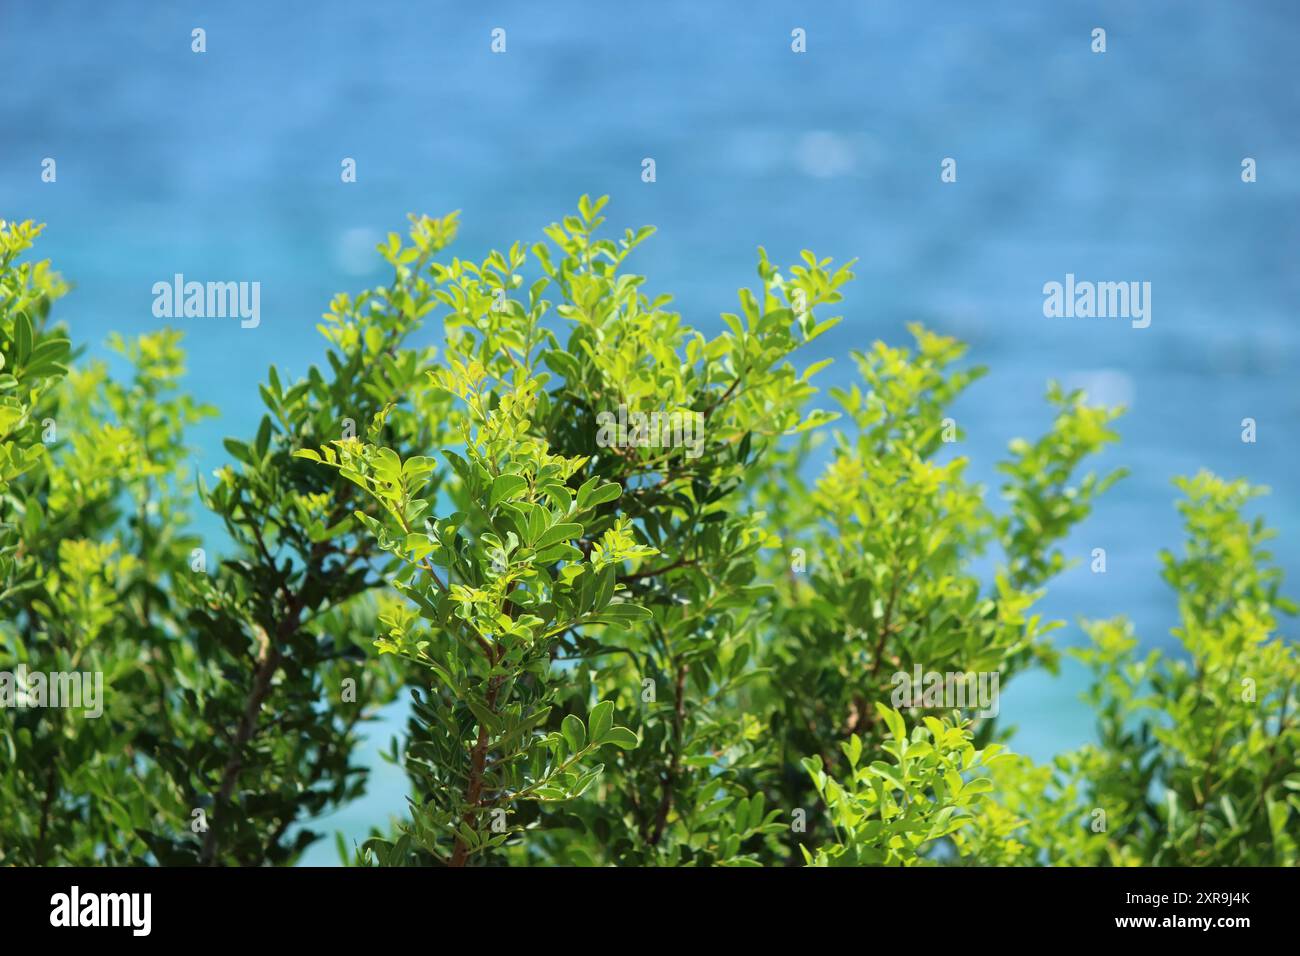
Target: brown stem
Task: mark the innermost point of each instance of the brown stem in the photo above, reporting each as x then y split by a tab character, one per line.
635	575
867	713
477	766
713	406
269	659
478	756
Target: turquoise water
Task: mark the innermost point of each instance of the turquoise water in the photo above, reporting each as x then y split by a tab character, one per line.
1114	167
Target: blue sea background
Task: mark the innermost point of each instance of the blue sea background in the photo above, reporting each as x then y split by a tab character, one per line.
1117	166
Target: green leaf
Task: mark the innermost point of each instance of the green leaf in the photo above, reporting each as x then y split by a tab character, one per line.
600	720
590	496
853	750
575	735
22	339
622	737
238	450
505	488
623	614
483	715
263	436
560	532
887	772
893	720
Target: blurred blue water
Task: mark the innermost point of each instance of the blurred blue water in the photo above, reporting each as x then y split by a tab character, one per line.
1119	166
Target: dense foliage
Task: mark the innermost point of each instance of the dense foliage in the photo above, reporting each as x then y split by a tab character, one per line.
646	645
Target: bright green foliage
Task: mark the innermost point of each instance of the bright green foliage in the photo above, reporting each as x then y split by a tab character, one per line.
291	604
690	793
32	362
560	513
890	812
883	580
1196	758
224	680
485	628
1045	505
674	645
91	528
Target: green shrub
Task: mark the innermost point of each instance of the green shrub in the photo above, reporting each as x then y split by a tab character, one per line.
671	651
